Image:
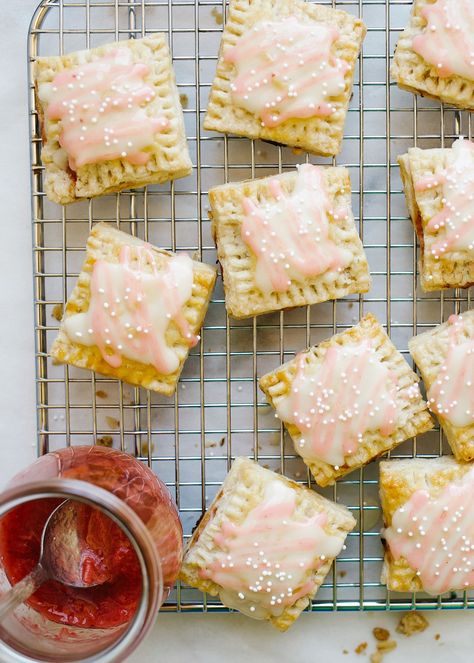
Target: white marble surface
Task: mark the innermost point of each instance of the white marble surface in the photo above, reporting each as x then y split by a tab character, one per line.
209	638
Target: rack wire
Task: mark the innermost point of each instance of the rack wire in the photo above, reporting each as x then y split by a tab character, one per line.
218	412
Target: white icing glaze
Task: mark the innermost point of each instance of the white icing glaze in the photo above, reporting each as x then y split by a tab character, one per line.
452	229
447	42
130	309
335	403
266	563
436	536
452	393
285	70
100	106
289	236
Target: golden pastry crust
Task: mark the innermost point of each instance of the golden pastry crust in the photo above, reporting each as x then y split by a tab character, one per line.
105	242
414	74
242	296
413	417
429	351
320	135
456	268
241	492
169	153
399	479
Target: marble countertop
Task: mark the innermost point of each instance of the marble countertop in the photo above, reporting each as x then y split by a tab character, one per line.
209	638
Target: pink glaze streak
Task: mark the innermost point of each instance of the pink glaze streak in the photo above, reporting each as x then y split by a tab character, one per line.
285	69
435	535
100	105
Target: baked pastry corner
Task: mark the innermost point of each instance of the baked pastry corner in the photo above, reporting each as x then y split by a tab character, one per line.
313	121
438	183
347	401
445	357
428	531
110	119
287	240
134	312
430	56
248	548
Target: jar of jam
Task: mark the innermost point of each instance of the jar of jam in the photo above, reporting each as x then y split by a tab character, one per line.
133	525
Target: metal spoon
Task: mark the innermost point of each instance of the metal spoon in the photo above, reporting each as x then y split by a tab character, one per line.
61	557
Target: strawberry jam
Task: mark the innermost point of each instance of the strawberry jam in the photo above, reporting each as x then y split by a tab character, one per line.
108	559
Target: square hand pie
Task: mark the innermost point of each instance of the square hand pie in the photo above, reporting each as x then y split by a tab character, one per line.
439	188
110	119
287	240
429	524
285	73
265	544
434	55
445	357
347	400
134	312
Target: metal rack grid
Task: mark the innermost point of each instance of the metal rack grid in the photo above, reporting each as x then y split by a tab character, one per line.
218	411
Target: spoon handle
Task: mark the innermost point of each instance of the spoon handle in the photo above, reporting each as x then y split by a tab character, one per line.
20	592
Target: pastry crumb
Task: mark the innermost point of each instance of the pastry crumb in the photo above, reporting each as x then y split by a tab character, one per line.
222	441
105	441
184	101
217	14
412	622
381	634
345	651
112	422
383	648
144	448
437	636
360	649
342	574
100	393
210	443
57	312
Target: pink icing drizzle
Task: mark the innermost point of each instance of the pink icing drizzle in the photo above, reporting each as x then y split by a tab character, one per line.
453	226
333	404
269	558
101	108
130	308
452	395
448	39
285	70
436	536
290	237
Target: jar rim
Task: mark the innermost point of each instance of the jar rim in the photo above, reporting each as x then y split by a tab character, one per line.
137	533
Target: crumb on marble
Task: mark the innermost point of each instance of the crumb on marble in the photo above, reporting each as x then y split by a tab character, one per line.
112	422
217	15
105	441
412	622
383	648
381	634
360	649
100	393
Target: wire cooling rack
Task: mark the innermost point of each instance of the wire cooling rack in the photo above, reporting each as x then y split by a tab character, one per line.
218	411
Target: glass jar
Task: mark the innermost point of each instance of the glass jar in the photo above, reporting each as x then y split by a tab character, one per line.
131	495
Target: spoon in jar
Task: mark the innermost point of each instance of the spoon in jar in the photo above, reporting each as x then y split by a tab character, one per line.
62	557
